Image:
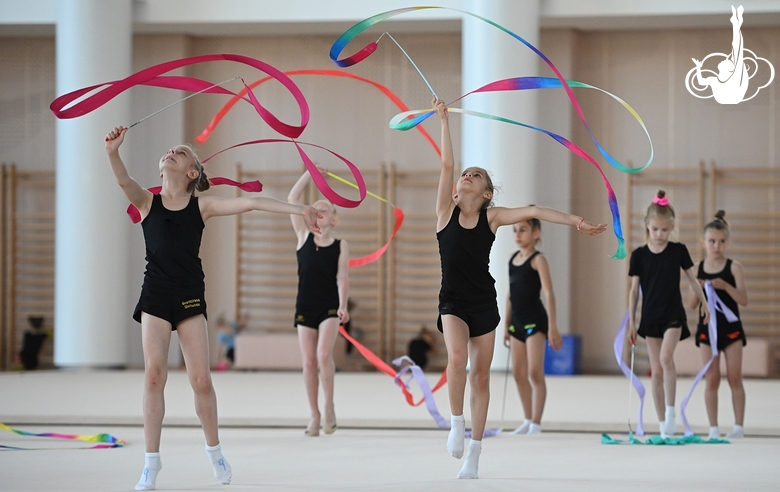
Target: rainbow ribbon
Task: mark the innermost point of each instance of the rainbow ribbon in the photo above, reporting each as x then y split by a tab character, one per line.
409	120
715	304
107	440
75	104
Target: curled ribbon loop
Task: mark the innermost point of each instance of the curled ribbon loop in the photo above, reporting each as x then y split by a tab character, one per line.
411	119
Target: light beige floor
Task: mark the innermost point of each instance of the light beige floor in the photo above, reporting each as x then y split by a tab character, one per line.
382	444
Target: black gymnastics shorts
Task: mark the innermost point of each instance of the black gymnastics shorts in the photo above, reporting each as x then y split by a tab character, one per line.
657	331
171	307
480	318
522	327
311	317
732	332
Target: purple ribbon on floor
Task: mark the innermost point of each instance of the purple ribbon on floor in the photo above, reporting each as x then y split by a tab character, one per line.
419	376
715	304
640	388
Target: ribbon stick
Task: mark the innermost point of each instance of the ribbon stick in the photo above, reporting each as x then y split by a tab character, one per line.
520	83
640	388
715	304
106	440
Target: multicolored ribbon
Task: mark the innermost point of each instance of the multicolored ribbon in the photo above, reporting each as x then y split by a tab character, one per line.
715	304
106	440
408	120
640	388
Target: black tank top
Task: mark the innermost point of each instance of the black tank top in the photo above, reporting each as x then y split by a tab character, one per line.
172	247
465	260
524	287
318	268
724	296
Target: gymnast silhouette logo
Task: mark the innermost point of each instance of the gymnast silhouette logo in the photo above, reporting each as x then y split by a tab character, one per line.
730	84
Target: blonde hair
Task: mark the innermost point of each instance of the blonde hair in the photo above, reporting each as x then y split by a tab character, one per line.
661	209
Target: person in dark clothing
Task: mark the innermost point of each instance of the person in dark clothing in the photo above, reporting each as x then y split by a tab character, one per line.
468	309
172	295
32	342
420	346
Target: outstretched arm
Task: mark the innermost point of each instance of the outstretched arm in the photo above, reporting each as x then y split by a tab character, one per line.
138	196
500	216
444	203
295	196
215	206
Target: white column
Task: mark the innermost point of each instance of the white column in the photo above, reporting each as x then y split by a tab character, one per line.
94	44
507	151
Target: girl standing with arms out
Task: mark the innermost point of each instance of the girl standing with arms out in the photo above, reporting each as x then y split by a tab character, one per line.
656	268
321	305
172	296
527	326
468	310
728	280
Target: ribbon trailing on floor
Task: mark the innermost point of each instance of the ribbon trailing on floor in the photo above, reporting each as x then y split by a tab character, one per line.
715	304
105	440
668	441
408	120
79	103
640	388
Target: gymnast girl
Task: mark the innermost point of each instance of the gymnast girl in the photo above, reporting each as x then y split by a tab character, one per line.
468	308
172	295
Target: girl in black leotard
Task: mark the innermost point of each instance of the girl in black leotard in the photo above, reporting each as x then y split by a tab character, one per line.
468	310
728	280
172	296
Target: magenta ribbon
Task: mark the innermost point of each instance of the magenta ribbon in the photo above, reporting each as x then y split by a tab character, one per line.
65	107
715	304
419	376
640	388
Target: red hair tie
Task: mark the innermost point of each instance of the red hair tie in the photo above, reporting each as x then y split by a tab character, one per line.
661	201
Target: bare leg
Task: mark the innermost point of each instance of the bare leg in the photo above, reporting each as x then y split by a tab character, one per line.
456	339
156	339
733	354
656	375
712	380
329	330
536	347
481	356
307	339
193	335
520	373
670	340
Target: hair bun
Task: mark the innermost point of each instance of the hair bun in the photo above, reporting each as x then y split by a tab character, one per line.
720	215
661	194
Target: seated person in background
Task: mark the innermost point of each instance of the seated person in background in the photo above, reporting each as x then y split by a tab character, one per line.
34	336
421	346
226	338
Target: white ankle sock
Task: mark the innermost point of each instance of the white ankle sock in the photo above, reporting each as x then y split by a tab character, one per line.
534	429
714	432
737	433
662	429
222	470
457	434
152	465
523	429
471	464
669	424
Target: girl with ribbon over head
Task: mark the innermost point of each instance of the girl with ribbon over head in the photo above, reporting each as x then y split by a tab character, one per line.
321	305
172	296
468	308
528	327
656	268
728	280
